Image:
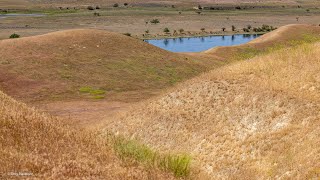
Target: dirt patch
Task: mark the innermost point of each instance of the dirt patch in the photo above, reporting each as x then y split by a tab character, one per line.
85	114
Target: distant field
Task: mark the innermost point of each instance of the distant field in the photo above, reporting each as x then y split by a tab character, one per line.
154	3
133	20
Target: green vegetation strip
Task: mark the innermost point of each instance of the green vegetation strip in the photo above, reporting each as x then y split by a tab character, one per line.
250	52
96	93
178	164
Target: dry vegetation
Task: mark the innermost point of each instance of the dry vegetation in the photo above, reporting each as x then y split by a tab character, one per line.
40	146
91	64
285	36
256	119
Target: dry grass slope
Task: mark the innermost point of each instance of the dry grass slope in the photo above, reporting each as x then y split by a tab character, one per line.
59	65
255	119
289	35
33	142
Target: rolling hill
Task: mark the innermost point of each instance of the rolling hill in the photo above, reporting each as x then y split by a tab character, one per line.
255	119
35	145
95	64
91	64
285	36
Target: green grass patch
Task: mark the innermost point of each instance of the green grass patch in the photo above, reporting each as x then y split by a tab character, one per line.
95	93
178	164
85	89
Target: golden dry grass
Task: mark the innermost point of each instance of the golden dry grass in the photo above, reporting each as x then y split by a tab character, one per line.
37	144
257	119
58	65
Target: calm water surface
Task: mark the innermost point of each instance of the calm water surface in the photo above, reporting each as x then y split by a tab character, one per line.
197	44
20	15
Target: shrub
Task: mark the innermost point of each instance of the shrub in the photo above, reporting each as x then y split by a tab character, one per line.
125	4
246	30
199	7
264	28
155	21
181	30
203	29
199	12
223	29
90	8
249	26
96	14
146	31
127	34
116	5
97	7
14	35
166	30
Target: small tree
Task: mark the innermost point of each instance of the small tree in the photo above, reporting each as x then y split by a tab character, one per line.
116	5
125	4
199	7
233	28
146	31
249	27
223	29
127	34
97	7
203	29
14	35
199	12
297	18
181	30
166	30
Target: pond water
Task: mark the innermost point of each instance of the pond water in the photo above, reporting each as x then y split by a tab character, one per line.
197	44
20	15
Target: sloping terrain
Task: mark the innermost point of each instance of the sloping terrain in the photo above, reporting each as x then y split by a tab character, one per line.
95	64
289	35
255	119
38	146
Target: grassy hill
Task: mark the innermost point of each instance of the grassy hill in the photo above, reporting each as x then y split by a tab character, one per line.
285	36
40	146
91	64
96	64
255	119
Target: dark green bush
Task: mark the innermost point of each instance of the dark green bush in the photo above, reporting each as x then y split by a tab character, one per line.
14	35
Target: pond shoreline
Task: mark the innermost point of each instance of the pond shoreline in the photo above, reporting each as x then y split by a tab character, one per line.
201	35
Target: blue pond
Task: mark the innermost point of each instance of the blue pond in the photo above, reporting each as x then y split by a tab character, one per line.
197	44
